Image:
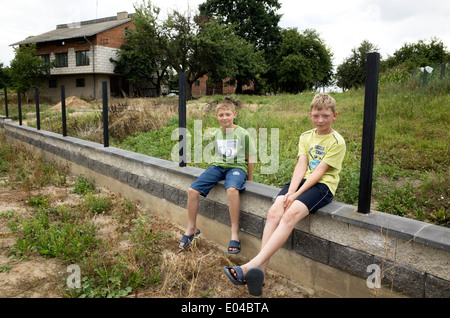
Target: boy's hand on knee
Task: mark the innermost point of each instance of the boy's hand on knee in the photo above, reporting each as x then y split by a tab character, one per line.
288	200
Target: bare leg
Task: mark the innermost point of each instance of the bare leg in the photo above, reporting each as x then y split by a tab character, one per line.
274	216
234	209
278	237
192	207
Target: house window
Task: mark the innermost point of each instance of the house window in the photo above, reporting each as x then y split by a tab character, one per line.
45	58
80	82
52	83
61	60
82	58
197	83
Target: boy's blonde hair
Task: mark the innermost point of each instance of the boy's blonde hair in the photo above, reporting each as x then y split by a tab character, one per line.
323	101
225	104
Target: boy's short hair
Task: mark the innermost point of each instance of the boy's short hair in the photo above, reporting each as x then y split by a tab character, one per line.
323	101
225	104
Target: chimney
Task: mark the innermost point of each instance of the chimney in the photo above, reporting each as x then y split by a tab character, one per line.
122	15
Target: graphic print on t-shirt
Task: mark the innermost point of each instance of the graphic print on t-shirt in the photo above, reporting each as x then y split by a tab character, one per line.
227	148
316	152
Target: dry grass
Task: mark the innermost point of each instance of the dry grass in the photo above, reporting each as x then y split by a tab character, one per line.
131	115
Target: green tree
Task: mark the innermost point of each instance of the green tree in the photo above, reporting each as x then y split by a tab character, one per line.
414	55
28	70
139	58
352	72
4	76
304	61
257	22
197	48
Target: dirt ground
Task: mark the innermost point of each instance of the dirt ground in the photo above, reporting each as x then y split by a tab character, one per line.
40	277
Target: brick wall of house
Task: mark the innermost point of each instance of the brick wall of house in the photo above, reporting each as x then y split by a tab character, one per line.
228	87
113	38
105	44
199	87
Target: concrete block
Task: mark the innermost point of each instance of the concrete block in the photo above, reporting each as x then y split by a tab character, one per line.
206	207
401	278
222	213
436	287
424	258
350	260
170	194
311	246
329	229
152	187
371	242
251	224
182	198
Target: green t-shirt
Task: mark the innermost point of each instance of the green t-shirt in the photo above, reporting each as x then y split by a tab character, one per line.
327	148
233	147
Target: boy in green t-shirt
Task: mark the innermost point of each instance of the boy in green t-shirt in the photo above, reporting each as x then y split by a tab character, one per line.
233	163
313	185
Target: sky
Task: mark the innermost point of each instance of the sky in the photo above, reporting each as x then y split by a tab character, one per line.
342	25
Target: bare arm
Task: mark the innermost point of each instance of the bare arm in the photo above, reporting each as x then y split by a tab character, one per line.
299	173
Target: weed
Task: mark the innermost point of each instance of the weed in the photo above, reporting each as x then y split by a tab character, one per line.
39	201
109	283
5	268
96	204
9	214
83	186
65	240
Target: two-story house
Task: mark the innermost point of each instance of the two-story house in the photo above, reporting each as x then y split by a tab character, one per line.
82	52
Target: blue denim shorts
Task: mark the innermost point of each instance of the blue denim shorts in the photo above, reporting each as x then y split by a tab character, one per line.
314	198
234	178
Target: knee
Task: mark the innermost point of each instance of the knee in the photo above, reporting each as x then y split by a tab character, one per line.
274	214
294	215
232	192
192	193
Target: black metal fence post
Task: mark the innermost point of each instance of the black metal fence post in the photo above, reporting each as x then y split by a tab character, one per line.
105	114
368	139
63	111
6	103
19	104
38	115
182	118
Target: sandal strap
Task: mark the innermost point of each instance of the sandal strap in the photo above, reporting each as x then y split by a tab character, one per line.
234	244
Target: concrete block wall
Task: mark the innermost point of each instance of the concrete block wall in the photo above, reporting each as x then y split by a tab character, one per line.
329	252
102	59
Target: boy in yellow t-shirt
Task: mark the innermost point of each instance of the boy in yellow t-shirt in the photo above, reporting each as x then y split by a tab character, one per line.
313	185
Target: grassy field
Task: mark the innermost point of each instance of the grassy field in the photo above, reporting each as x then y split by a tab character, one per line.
411	168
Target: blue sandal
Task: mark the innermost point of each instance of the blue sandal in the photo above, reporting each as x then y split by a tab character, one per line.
234	244
239	278
187	240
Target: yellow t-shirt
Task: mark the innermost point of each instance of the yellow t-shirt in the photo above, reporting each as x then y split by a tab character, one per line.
327	148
